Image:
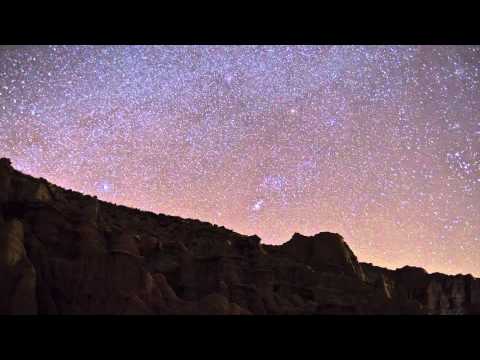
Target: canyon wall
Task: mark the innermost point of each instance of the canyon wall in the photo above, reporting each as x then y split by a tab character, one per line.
62	252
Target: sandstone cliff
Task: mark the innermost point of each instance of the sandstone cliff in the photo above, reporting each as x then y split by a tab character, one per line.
62	252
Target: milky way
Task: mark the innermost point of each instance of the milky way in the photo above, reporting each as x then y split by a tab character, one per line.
379	144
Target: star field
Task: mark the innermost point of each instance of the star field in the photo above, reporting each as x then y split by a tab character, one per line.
380	144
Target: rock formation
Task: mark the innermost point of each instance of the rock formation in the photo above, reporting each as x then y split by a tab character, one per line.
62	252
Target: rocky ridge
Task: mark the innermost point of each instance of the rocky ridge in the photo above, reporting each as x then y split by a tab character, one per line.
62	252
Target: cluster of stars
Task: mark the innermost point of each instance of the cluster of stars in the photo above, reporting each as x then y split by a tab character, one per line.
378	143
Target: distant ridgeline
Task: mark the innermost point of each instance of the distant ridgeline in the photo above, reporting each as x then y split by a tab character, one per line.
62	252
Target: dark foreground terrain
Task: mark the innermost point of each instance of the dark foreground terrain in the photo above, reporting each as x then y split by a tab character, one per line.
62	252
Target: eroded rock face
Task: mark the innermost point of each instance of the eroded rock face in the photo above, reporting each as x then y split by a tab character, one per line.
17	275
5	179
62	252
12	249
324	251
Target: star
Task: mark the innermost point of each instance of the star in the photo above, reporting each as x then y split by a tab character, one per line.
377	143
258	205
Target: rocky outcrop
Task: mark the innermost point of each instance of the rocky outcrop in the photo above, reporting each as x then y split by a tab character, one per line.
433	293
62	252
5	179
326	252
17	275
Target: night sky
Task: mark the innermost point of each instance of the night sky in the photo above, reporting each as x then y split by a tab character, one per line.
380	144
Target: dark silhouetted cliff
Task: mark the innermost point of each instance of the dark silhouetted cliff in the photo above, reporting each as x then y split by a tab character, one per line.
62	252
